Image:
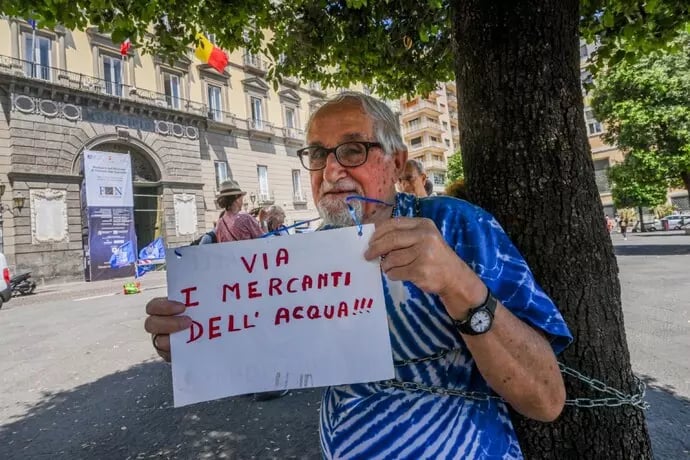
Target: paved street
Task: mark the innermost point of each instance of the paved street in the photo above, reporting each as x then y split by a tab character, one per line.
80	380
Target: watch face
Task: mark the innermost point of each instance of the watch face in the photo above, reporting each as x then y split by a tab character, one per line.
480	321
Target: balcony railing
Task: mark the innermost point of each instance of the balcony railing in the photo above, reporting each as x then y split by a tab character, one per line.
420	105
95	85
255	62
299	198
436	164
293	133
452	101
422	126
260	126
220	116
428	144
265	198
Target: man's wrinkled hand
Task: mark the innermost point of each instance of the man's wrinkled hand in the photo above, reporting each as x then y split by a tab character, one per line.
412	249
162	321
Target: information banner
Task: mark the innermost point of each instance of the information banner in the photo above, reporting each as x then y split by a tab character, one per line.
108	179
111	232
110	243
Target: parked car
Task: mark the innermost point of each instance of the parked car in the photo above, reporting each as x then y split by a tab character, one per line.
5	290
651	226
675	222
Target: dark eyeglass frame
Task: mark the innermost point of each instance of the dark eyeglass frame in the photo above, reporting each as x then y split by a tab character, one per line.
302	153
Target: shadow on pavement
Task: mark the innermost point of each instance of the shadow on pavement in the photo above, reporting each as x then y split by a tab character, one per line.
651	249
668	419
129	414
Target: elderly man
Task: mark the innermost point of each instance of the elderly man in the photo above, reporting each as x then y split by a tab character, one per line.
471	330
413	179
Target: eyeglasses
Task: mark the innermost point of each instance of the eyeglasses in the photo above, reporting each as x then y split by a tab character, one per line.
407	178
347	154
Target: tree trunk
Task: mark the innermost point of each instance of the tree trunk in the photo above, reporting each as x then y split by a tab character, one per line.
642	229
527	160
686	180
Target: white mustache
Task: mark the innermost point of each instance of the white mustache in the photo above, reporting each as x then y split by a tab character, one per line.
338	187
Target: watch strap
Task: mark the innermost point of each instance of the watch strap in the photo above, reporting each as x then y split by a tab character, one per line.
489	305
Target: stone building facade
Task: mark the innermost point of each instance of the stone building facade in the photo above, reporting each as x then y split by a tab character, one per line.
186	127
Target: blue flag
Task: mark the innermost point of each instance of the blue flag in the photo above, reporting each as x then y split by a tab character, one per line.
32	23
152	252
122	255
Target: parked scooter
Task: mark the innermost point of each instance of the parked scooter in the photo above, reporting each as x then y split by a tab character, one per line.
22	284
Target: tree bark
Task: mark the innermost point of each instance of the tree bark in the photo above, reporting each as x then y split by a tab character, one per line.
686	180
527	160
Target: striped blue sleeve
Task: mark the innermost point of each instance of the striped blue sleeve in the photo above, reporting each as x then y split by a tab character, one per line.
480	241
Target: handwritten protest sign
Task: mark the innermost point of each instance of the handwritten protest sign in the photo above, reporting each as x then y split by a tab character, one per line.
295	311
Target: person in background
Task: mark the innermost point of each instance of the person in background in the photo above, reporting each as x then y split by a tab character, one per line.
234	225
210	236
623	225
275	219
429	187
413	178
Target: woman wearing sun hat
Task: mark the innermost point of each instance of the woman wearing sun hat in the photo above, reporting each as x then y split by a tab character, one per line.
234	225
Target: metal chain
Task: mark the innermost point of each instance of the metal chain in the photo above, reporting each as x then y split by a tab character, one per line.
617	399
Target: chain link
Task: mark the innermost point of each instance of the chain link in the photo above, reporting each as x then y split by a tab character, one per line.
617	398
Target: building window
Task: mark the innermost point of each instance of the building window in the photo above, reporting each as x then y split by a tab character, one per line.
583	51
447	142
439	178
257	111
437	158
593	126
37	56
171	85
601	175
585	80
290	118
445	125
297	186
221	173
112	74
215	105
264	192
433	138
416	141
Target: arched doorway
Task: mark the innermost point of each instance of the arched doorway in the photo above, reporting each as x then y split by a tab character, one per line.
148	203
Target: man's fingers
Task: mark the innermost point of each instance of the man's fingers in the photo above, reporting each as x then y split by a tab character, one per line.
381	246
161	306
166	324
398	259
163	343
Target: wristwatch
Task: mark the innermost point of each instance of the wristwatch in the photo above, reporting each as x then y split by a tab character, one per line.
480	319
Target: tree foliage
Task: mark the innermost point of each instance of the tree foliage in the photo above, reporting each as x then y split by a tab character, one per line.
638	182
645	105
402	47
455	168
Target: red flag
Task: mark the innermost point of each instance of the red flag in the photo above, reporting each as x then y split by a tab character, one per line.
125	46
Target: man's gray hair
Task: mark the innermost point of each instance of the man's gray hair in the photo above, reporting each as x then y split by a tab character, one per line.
386	127
417	165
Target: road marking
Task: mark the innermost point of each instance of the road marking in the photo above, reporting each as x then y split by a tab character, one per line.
96	296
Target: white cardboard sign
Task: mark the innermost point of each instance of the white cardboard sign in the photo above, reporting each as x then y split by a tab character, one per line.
296	311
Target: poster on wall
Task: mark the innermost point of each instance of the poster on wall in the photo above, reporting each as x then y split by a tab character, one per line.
112	243
108	179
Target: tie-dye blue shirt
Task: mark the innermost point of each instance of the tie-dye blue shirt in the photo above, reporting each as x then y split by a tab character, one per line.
371	421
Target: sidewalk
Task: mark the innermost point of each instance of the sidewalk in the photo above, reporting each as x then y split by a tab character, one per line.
84	289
